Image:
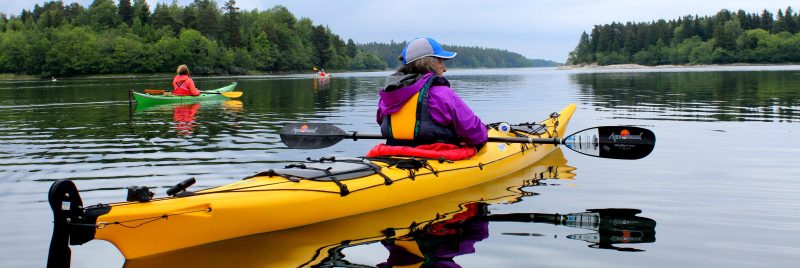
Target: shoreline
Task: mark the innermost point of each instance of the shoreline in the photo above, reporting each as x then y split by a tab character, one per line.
22	77
628	66
634	66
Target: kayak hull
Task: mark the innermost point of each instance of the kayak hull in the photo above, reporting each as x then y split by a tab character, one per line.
149	100
268	203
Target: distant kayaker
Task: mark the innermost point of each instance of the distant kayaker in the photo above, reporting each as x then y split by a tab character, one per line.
417	105
182	84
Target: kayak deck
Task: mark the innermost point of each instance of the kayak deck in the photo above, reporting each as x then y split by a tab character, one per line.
273	200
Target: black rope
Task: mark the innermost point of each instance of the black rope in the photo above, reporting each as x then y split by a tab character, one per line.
150	219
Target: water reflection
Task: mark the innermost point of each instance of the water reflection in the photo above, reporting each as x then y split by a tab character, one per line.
695	96
611	225
235	106
320	84
438	243
184	116
430	231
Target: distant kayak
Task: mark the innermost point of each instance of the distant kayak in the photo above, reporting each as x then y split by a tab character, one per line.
153	98
318	76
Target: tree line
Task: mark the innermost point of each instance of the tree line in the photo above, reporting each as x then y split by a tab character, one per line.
107	38
126	37
725	37
468	57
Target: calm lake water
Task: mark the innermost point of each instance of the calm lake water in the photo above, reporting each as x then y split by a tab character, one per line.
722	186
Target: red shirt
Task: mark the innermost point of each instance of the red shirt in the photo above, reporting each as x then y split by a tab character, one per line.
183	85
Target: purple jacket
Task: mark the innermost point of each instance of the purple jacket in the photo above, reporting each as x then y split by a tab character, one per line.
445	106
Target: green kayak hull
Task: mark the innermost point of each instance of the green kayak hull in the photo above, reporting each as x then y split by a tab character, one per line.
148	100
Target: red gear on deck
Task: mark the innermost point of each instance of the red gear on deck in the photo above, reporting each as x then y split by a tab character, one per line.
435	151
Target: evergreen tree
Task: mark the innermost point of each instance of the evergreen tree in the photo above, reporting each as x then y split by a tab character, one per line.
352	49
260	50
741	15
233	25
103	14
780	23
162	17
206	18
791	22
141	10
766	20
582	53
126	11
188	16
322	45
72	12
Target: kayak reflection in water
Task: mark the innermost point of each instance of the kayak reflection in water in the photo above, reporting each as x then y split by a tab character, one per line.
184	116
437	243
320	84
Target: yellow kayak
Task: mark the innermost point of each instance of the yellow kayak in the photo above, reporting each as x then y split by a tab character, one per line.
282	199
312	245
456	218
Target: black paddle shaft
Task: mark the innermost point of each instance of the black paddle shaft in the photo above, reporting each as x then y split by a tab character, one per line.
615	142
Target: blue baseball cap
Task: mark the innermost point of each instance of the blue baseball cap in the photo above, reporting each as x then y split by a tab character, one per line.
423	47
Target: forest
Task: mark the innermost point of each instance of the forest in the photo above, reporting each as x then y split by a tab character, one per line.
468	57
131	37
723	38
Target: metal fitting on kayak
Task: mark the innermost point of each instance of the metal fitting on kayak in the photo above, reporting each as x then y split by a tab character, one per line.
139	193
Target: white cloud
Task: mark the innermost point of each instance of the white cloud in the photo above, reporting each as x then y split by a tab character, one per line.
546	29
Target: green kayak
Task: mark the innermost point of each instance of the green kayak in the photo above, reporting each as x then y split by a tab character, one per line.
148	99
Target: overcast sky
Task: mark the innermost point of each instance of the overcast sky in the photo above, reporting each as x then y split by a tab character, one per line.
544	29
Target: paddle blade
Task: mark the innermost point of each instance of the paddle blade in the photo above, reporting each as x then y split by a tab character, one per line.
311	135
616	142
232	94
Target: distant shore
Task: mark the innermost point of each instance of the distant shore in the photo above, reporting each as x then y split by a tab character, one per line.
17	77
670	66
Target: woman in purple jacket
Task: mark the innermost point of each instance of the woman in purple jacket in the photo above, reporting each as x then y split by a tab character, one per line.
417	105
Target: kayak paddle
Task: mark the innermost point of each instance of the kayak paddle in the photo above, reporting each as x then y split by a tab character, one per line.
154	91
229	94
616	142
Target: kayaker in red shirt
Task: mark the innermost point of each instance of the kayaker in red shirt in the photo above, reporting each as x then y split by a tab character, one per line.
182	84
